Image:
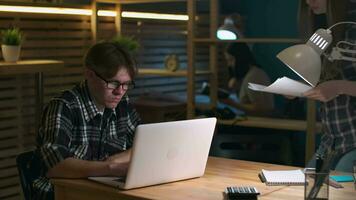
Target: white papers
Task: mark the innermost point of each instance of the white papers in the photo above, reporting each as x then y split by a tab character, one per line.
284	86
284	177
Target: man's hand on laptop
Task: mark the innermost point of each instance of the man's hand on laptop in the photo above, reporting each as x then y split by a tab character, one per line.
118	169
120	157
118	163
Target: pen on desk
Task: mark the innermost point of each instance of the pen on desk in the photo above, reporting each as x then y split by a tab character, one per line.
334	184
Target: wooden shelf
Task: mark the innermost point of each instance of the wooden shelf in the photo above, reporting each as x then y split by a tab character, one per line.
162	72
273	123
250	40
30	66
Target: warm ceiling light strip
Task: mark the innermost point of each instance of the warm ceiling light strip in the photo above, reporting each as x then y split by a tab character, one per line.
45	10
76	11
143	15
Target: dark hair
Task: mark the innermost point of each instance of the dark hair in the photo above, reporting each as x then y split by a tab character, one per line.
243	58
335	12
107	58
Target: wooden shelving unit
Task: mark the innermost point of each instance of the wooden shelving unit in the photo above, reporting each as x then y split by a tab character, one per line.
310	125
273	123
162	72
37	67
30	66
249	40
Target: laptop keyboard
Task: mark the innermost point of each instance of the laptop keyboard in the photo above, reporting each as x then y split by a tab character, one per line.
121	179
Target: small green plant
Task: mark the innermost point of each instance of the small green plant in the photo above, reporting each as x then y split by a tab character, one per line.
12	36
128	43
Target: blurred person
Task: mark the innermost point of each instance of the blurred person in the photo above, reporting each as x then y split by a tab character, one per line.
244	69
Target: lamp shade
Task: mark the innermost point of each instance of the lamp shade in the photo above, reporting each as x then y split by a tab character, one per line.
227	31
304	61
223	34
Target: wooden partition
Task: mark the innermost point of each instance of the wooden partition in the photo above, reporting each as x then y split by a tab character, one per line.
66	38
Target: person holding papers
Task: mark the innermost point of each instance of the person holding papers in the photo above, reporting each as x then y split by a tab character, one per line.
244	69
88	130
337	88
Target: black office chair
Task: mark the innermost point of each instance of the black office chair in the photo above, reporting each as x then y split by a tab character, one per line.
27	166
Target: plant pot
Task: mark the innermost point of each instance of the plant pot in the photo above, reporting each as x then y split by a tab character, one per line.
10	53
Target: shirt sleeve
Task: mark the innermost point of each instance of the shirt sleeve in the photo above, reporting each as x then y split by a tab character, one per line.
55	133
133	121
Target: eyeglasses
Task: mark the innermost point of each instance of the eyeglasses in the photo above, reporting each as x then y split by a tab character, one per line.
116	84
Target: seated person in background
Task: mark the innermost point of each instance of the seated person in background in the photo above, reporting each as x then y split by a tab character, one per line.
88	130
244	69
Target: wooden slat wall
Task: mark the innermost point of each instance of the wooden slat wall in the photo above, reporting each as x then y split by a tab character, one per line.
67	38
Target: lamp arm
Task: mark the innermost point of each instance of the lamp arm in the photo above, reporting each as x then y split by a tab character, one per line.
344	22
336	54
345	42
350	51
346	58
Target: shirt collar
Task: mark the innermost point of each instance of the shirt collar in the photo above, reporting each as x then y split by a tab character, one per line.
90	109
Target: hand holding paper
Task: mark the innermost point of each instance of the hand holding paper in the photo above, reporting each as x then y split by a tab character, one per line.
283	86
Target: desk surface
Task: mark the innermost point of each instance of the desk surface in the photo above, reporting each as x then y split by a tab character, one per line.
219	174
30	66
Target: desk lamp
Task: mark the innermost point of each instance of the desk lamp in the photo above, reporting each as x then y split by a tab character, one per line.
231	29
304	59
227	31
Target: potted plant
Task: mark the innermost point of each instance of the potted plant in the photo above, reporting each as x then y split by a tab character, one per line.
11	44
128	43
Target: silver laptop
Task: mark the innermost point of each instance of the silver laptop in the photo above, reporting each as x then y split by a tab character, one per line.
166	152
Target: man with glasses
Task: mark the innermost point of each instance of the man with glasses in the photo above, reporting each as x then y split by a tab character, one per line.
89	130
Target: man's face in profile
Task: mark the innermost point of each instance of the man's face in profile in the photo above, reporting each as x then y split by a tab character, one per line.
104	95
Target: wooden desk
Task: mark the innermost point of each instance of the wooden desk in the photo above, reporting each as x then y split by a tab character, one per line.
32	67
219	174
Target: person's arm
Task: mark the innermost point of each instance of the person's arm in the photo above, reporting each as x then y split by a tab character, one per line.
330	89
232	83
54	140
122	157
232	80
256	103
115	165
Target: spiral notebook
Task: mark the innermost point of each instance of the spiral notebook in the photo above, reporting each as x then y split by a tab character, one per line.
283	177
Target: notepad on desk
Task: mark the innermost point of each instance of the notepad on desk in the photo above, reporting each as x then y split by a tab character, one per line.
283	177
